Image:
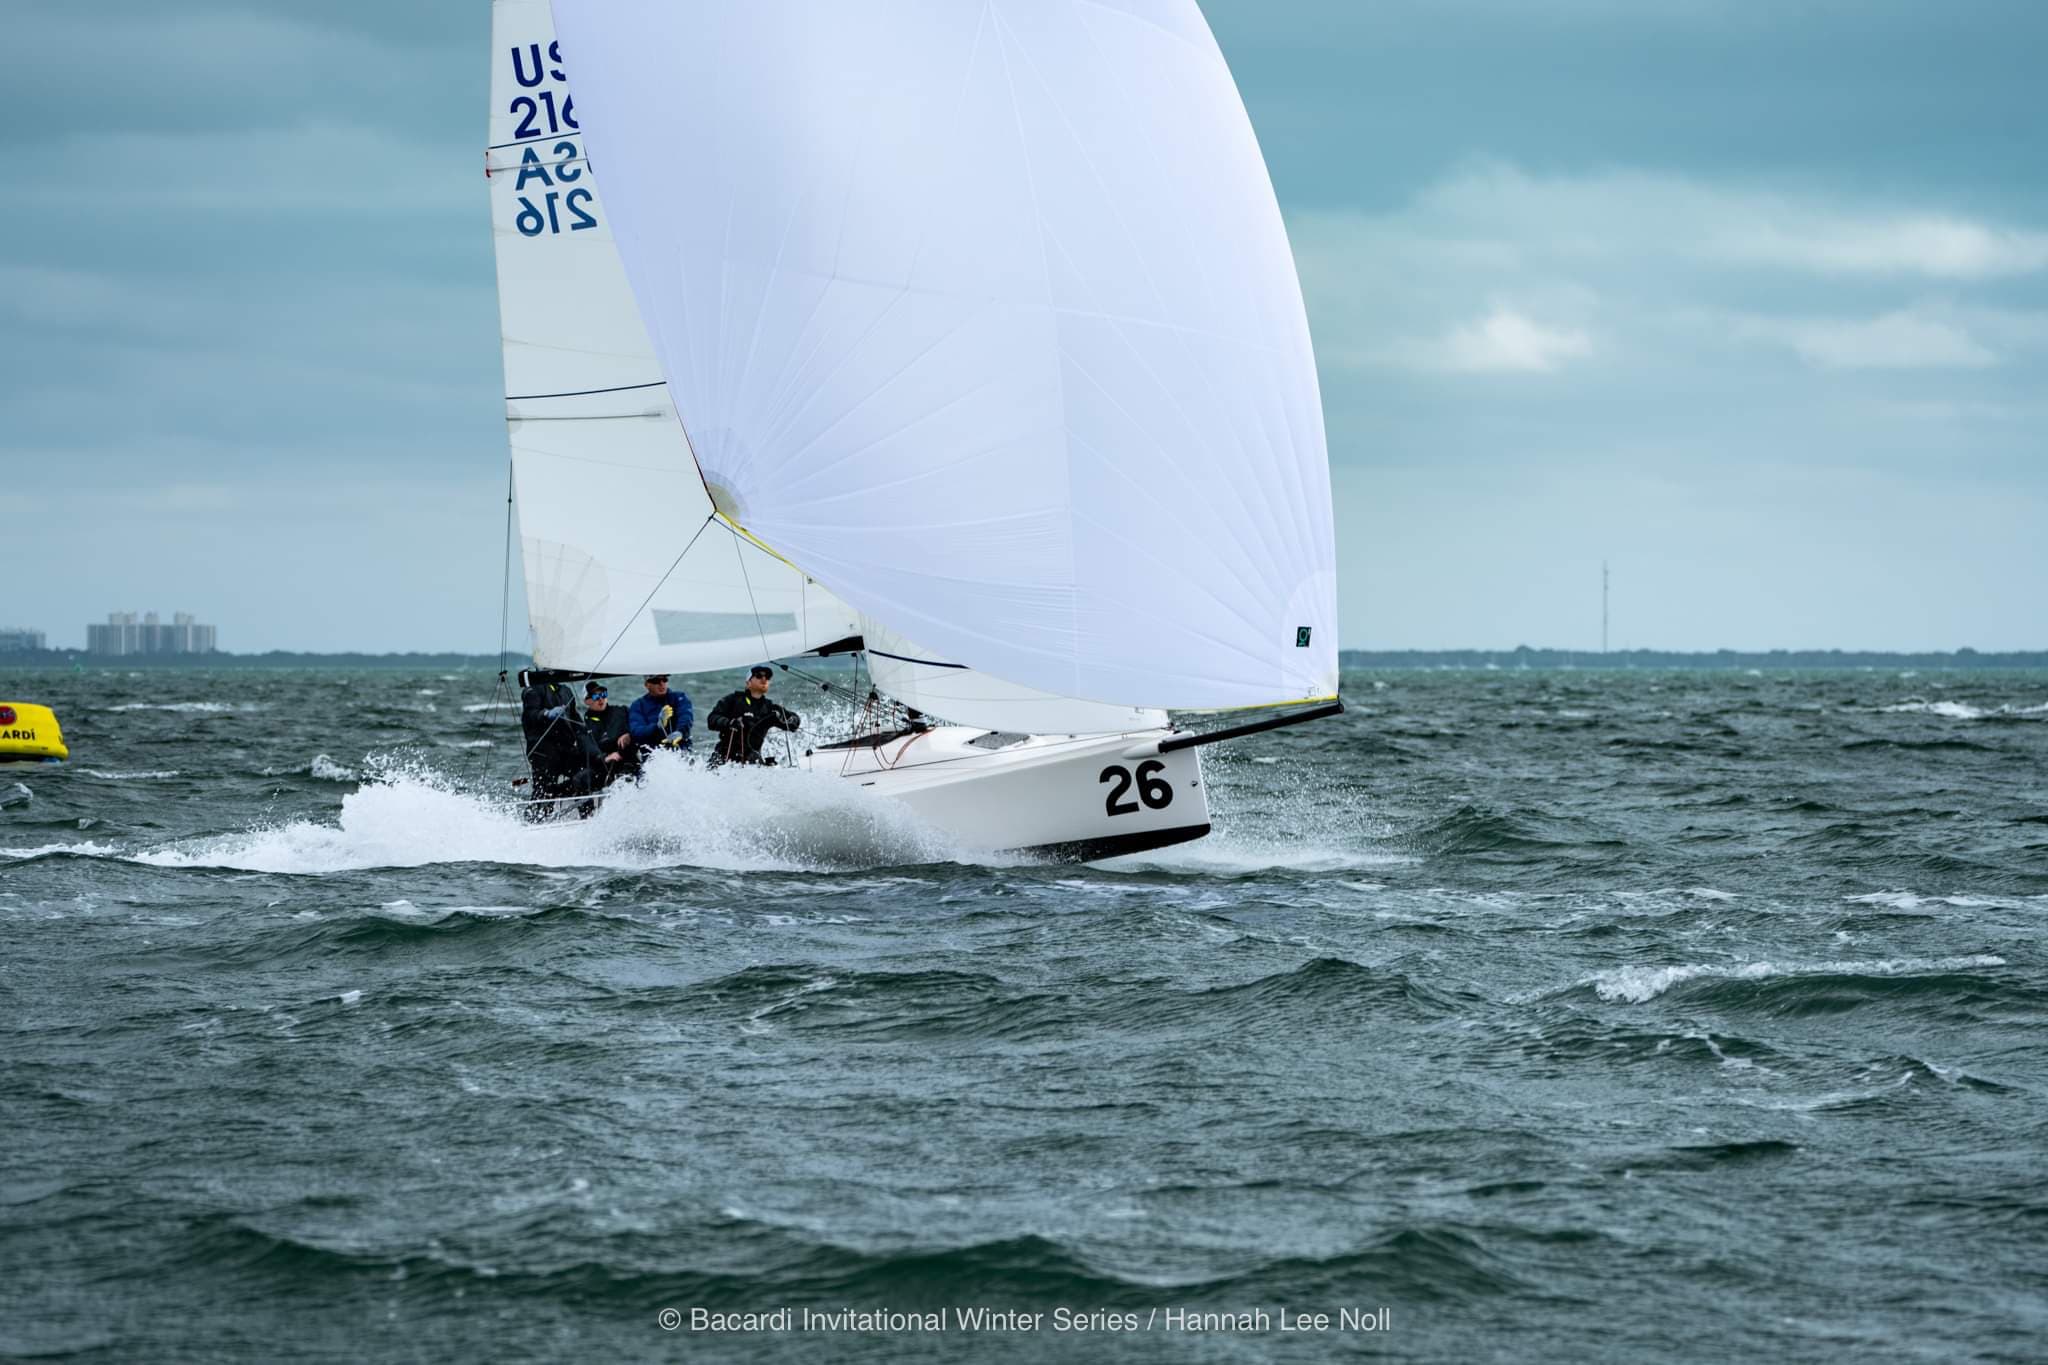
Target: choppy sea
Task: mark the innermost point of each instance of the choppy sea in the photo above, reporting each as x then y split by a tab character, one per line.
1601	1016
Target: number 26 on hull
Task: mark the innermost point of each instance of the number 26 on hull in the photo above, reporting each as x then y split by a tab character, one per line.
1155	791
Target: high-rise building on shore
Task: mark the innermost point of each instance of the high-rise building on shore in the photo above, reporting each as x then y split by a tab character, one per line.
20	639
124	634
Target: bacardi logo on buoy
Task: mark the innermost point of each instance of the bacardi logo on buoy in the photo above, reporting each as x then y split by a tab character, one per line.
6	715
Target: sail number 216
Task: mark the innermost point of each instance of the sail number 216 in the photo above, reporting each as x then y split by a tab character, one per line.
1153	789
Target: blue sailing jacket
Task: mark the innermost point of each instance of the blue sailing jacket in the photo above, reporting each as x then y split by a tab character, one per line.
644	717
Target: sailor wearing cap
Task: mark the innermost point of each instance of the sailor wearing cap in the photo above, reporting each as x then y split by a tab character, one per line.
616	754
742	719
661	718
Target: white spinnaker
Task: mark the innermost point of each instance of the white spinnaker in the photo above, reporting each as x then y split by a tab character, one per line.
607	494
984	314
914	676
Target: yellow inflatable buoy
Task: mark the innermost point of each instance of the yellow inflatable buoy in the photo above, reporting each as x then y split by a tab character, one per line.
29	734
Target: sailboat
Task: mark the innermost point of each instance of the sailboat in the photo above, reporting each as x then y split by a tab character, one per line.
960	335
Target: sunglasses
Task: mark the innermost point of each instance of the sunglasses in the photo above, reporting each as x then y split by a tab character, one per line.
598	695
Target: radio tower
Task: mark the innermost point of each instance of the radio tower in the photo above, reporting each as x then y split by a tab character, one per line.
1603	606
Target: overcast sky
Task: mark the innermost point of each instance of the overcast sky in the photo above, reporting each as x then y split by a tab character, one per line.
1750	300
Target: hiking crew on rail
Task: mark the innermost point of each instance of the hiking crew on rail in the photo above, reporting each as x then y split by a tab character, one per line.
742	720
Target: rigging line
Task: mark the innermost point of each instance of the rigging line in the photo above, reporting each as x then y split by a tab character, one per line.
504	621
906	659
635	615
598	667
582	393
746	578
593	417
505	590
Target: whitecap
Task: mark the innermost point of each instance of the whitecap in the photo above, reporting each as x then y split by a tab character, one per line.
1635	985
1953	710
132	777
1897	900
193	707
491	706
1962	710
85	850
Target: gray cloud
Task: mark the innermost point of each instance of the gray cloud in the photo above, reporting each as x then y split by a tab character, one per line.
1749	299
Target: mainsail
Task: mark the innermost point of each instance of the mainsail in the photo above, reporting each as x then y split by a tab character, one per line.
983	314
626	569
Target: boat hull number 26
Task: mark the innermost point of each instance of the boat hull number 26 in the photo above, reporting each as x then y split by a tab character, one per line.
1154	790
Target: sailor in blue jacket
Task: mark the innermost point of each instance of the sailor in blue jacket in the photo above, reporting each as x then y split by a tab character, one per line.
662	718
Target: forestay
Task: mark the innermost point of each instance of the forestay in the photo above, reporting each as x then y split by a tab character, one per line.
607	493
984	314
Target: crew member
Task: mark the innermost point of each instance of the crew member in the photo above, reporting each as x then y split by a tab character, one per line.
661	718
611	738
557	747
743	719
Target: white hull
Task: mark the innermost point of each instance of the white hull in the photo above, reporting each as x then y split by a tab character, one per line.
1065	796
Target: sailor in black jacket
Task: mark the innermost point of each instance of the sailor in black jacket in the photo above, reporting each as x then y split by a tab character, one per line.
557	748
742	720
611	737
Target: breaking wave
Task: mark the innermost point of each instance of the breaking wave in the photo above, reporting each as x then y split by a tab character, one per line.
1635	985
189	707
735	819
1962	710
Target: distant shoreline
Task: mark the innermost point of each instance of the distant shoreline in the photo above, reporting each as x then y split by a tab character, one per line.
1526	657
1518	658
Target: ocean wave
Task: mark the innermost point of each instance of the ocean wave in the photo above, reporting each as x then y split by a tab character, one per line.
1473	830
1907	900
679	816
131	777
1962	710
84	850
204	708
740	1259
1225	855
1635	985
1321	983
322	767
